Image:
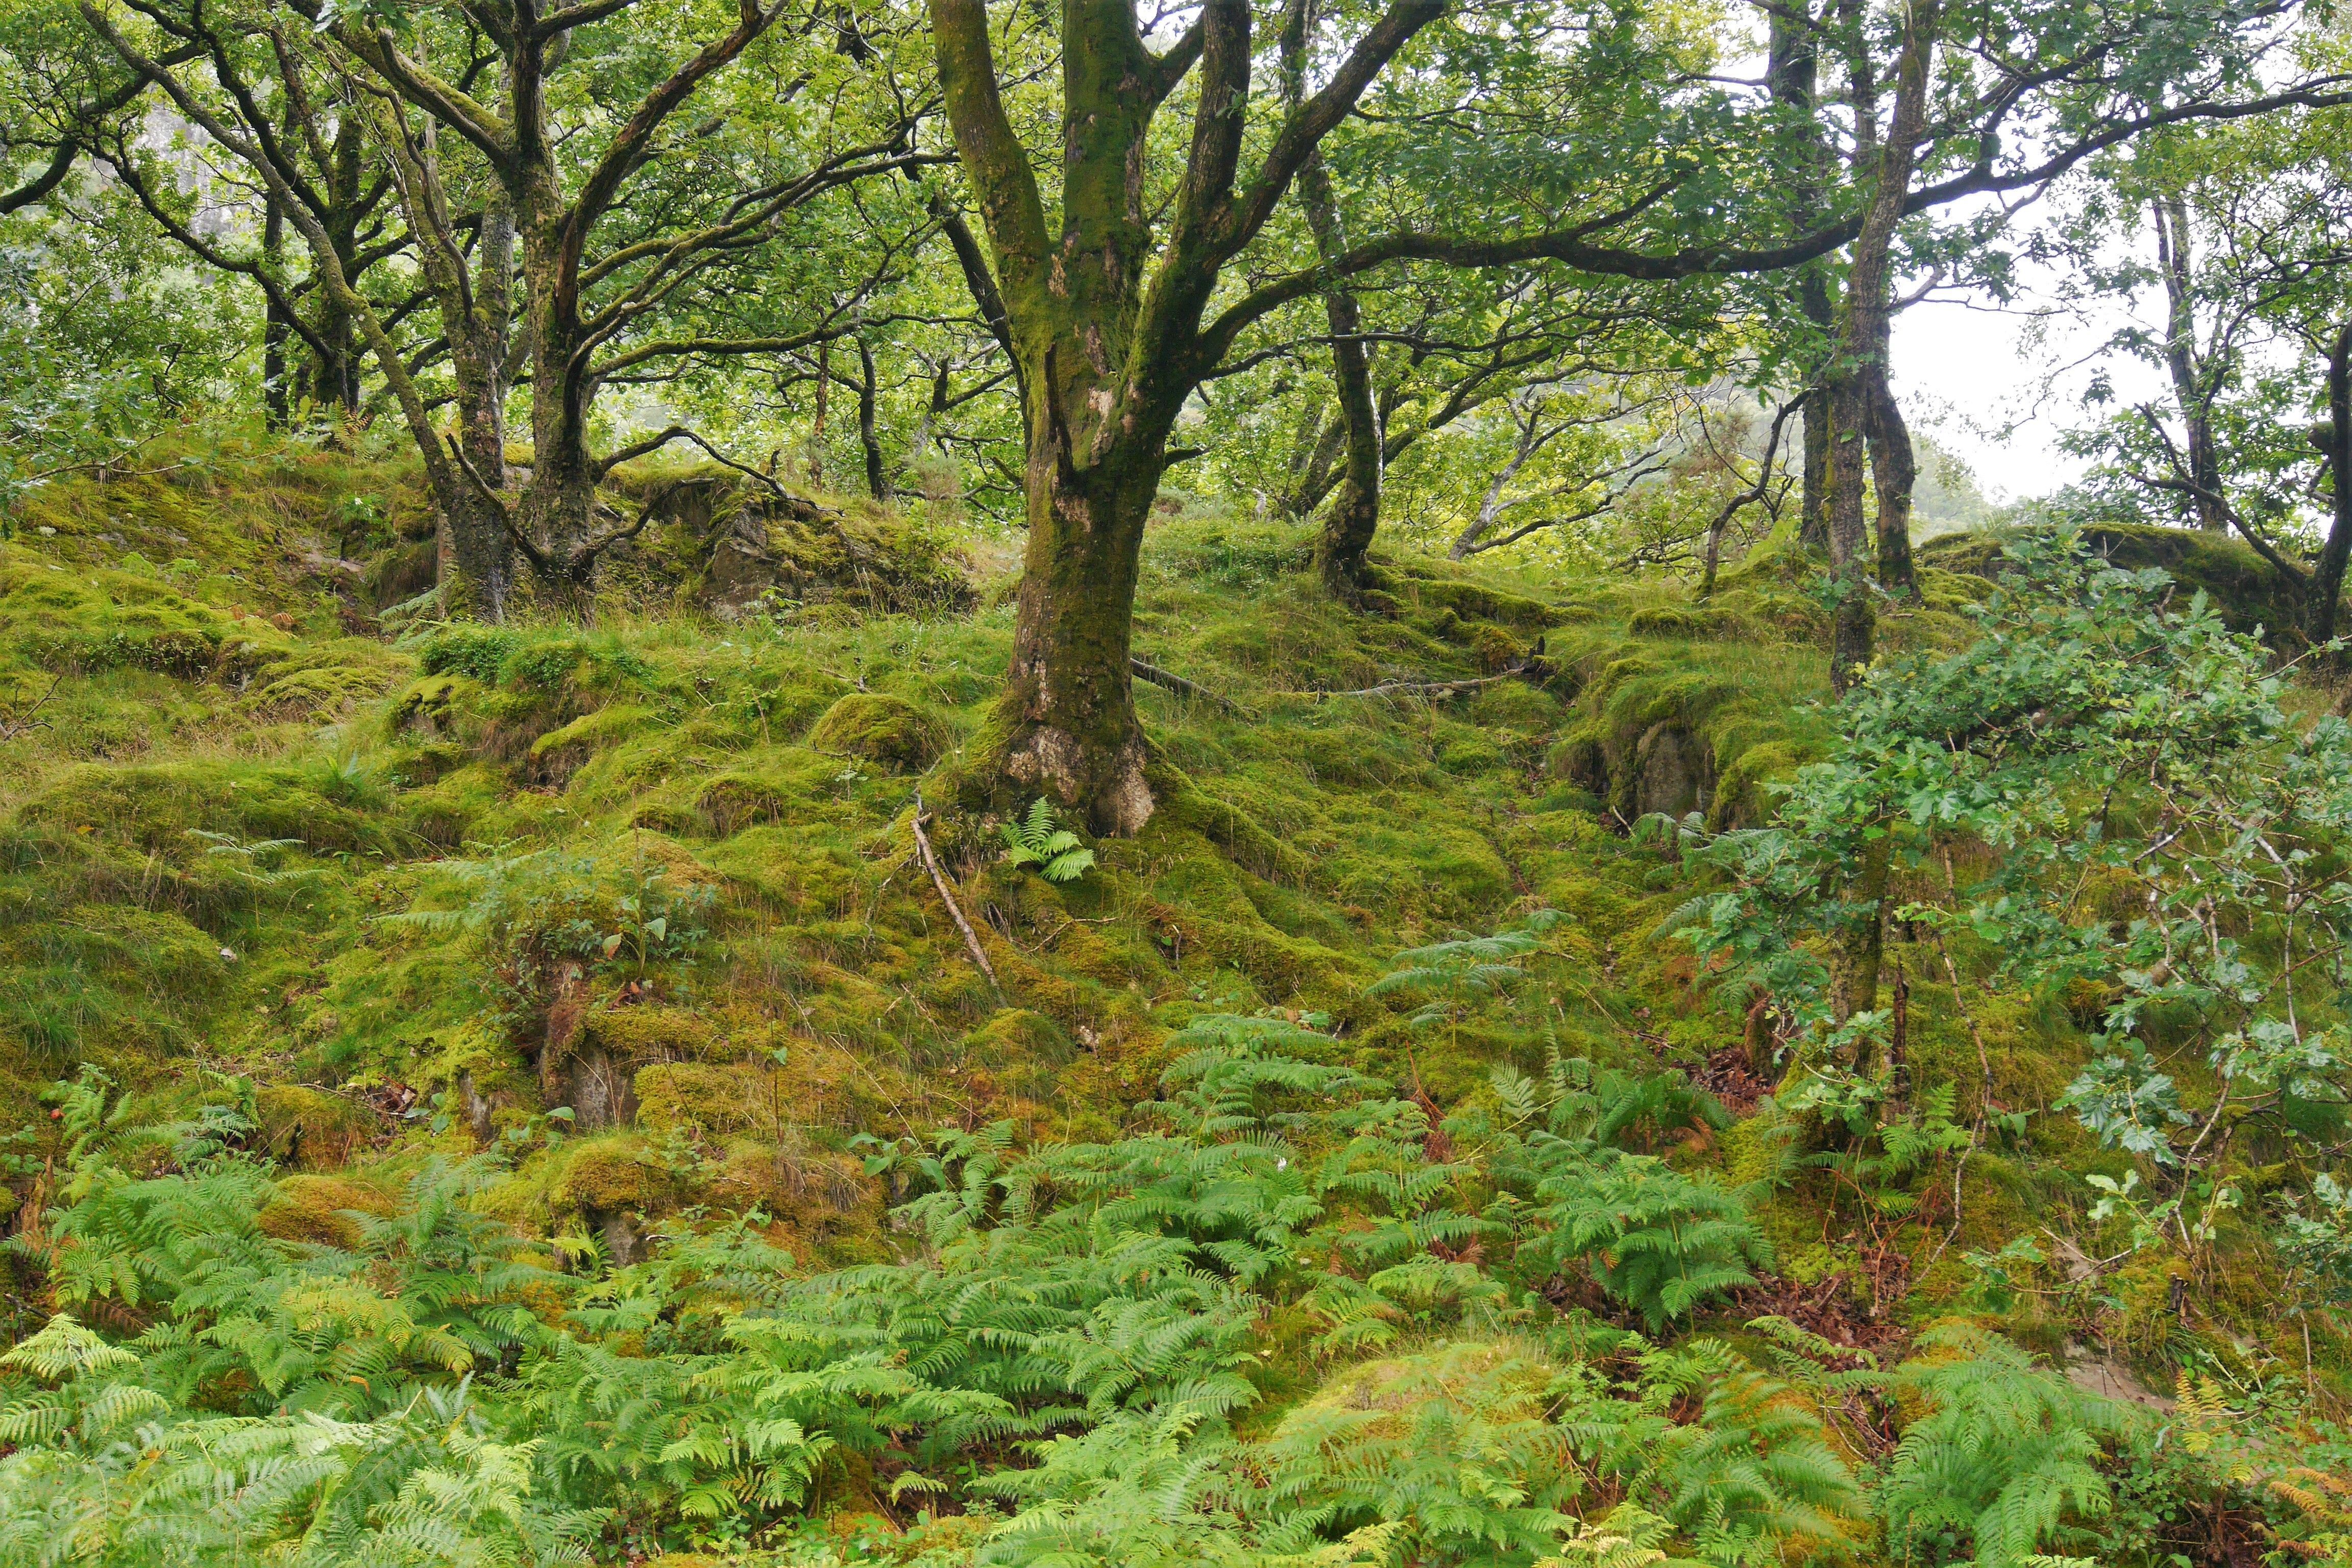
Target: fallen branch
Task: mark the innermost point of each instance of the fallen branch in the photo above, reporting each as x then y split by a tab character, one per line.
939	881
1146	671
1532	669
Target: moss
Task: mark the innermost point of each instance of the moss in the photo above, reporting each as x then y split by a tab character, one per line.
615	1173
2243	586
1470	754
312	1130
325	1210
882	729
646	1034
1687	623
1516	706
1423	587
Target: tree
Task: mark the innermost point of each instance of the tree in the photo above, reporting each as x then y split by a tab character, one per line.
2237	233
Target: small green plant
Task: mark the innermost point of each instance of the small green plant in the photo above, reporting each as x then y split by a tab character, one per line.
1043	842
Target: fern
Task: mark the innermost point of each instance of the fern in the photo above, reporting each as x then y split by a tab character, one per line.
1041	841
2006	1455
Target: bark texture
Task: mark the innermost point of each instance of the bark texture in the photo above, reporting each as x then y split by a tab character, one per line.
2335	441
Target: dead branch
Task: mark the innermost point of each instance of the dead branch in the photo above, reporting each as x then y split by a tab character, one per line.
1533	667
1146	671
940	880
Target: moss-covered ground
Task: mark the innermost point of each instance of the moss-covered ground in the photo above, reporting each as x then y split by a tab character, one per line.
411	887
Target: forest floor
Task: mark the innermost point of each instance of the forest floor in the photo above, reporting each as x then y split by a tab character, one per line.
642	903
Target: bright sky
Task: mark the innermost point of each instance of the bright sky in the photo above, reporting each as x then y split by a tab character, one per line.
1972	374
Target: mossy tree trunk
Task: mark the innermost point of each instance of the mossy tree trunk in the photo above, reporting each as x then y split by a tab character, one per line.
473	286
1857	377
1895	472
580	309
1108	325
1355	511
285	187
2336	442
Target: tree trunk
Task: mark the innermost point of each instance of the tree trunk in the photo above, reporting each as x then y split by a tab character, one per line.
558	502
1793	71
275	328
477	551
876	481
335	379
1862	953
1355	514
2327	581
2191	379
1067	715
1854	625
1813	499
1894	472
1863	337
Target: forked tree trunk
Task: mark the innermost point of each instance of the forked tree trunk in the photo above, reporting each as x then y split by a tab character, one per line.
1106	317
2191	377
1860	369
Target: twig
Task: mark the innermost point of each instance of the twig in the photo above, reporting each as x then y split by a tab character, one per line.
939	881
23	721
1146	671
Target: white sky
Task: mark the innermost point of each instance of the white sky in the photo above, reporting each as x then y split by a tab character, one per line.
1998	384
1970	375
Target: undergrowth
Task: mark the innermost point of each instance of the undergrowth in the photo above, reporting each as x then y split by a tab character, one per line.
498	1094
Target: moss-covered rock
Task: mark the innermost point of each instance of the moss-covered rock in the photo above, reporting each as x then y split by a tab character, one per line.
881	728
324	1210
2247	590
312	1130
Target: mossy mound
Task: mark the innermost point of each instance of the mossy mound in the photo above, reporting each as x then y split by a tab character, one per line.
741	548
324	1211
2246	589
1688	725
313	1131
881	728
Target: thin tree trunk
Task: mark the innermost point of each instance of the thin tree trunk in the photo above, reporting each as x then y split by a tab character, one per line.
2327	581
1490	505
1794	70
1813	503
1355	514
2191	379
876	482
275	329
816	439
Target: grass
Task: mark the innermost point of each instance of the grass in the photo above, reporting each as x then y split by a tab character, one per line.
356	869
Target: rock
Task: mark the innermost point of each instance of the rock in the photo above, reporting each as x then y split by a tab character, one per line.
1674	771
